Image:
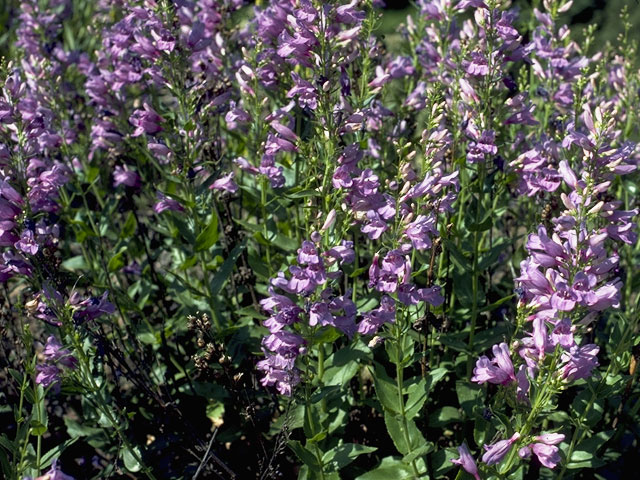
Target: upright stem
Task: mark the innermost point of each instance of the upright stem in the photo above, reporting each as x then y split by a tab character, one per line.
399	385
474	274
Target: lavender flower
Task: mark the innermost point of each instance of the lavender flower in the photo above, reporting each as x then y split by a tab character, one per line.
166	203
225	183
499	370
466	461
496	452
123	176
146	121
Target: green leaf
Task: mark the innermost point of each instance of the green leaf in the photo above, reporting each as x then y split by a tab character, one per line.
341	375
117	262
342	366
17	376
311	421
307	457
419	452
483	226
74	263
585	454
342	455
129	459
326	335
580	404
457	256
55	452
129	227
434	376
8	444
490	258
441	461
224	272
209	236
75	429
443	416
469	395
389	469
496	304
386	390
401	351
417	398
396	429
303	194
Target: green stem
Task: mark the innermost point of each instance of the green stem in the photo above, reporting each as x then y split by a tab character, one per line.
399	384
475	274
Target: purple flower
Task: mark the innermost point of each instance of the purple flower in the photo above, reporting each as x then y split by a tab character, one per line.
280	371
273	173
376	226
27	242
562	334
123	176
421	230
478	66
319	314
146	121
53	352
464	4
550	438
284	342
374	319
348	14
564	298
496	452
466	461
344	253
91	308
225	183
522	389
48	375
301	281
236	116
579	362
483	145
166	203
308	253
547	454
499	370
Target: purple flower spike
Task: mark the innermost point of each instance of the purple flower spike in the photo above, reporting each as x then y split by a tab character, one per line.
466	461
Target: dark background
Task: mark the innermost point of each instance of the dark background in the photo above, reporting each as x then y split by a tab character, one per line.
604	13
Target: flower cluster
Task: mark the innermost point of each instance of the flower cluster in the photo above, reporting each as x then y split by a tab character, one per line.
56	359
569	278
308	283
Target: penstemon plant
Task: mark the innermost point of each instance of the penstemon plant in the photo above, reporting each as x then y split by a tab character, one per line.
264	240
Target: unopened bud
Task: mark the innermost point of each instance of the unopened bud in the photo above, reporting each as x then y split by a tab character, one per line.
330	220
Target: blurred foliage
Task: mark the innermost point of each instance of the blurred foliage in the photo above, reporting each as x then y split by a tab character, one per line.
604	14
